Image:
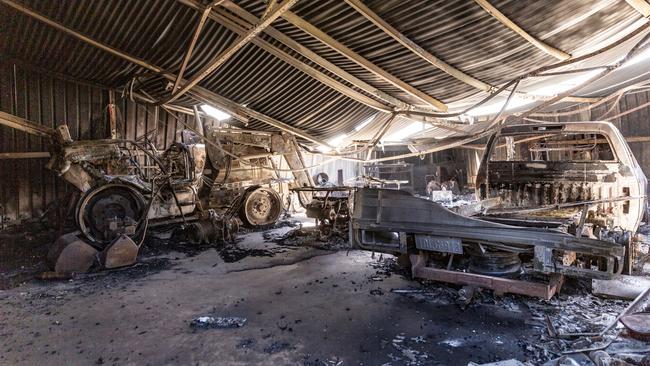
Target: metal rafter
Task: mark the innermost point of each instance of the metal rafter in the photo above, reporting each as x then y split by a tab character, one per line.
197	92
240	42
311	55
306	52
230	23
24	125
360	7
559	54
360	60
641	6
195	38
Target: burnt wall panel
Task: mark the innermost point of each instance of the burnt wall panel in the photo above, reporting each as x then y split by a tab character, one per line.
27	188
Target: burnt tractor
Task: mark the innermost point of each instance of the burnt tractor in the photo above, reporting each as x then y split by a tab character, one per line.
127	186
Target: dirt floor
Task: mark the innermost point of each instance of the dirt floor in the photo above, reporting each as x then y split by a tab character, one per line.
316	304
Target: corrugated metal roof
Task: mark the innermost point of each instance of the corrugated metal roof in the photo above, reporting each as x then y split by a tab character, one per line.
459	32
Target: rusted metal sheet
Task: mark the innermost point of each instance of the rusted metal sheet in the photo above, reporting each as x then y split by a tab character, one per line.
70	254
638	324
498	284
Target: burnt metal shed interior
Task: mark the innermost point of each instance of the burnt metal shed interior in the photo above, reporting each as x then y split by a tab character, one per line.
324	182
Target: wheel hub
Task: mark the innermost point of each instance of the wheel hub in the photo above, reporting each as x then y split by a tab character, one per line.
261	206
108	211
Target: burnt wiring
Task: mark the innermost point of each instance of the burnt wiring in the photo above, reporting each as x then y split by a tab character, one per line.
540	72
164	172
494	124
625	90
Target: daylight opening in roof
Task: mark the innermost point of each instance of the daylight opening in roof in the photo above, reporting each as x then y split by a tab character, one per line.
337	140
407	131
215	112
365	122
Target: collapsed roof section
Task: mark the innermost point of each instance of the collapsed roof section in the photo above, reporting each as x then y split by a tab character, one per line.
319	69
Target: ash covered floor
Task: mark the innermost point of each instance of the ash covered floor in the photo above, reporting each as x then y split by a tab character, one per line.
305	305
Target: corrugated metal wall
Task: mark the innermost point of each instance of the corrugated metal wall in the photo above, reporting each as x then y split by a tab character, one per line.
351	169
26	187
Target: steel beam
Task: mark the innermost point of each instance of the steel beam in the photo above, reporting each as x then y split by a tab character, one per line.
641	6
195	38
311	55
25	155
240	42
361	61
205	95
559	54
229	105
310	71
436	62
24	125
415	48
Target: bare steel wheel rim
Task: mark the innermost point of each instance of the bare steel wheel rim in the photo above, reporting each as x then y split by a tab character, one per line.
103	203
262	206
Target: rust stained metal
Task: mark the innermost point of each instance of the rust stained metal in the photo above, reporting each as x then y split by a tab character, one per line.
391	221
638	324
498	284
608	179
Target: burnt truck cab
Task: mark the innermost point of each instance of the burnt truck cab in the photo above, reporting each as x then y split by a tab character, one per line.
578	175
558	199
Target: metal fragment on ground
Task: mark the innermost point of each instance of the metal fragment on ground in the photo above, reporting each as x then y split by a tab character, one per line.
637	324
218	322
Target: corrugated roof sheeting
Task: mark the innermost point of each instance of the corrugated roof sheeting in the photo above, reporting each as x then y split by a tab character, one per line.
459	32
337	59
